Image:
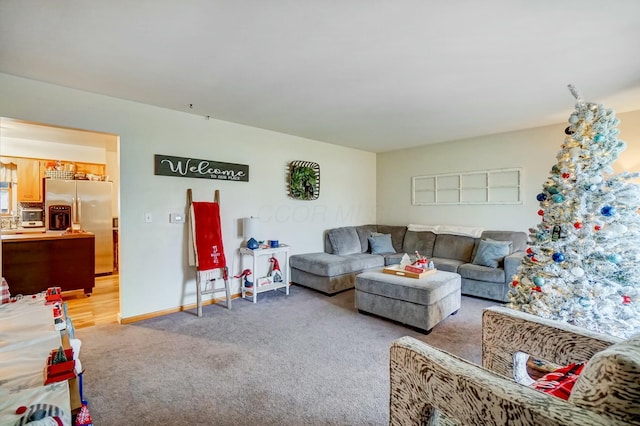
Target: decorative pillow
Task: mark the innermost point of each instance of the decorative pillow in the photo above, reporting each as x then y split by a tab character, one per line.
381	244
344	240
560	382
490	252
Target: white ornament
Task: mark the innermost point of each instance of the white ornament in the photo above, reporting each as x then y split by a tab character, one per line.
596	179
577	271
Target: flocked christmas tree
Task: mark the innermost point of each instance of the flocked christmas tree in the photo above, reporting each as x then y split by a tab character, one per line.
583	261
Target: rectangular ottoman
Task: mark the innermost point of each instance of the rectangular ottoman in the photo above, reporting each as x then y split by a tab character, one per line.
419	302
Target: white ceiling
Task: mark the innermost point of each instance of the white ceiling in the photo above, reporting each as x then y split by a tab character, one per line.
374	75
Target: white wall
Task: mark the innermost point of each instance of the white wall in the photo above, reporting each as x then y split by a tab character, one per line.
532	149
154	273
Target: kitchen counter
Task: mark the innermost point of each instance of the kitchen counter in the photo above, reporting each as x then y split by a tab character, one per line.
13	231
41	236
31	263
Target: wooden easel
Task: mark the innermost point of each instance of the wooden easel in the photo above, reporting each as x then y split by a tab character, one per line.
224	272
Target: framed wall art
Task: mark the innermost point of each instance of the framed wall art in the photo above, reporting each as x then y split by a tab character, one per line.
303	180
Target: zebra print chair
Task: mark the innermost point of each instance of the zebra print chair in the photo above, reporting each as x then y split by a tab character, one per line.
432	387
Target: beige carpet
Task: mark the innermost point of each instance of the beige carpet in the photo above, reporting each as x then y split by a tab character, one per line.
305	359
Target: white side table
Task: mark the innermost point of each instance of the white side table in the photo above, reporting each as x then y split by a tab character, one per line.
281	253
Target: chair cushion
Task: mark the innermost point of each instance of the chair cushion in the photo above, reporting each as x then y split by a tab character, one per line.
491	253
610	382
560	382
344	240
381	244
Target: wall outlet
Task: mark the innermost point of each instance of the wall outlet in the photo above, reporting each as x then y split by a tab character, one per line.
176	218
148	218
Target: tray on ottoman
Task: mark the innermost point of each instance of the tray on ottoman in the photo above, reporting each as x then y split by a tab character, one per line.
413	273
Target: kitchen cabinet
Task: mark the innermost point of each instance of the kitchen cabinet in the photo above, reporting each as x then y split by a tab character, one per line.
29	180
90	168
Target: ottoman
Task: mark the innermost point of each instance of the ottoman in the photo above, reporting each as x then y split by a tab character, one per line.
419	302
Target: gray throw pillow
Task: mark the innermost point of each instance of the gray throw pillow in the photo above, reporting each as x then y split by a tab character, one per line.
490	252
381	244
344	240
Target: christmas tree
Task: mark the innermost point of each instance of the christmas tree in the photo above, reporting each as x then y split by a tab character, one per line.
583	260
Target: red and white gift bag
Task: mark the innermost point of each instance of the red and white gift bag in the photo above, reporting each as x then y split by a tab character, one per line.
6	296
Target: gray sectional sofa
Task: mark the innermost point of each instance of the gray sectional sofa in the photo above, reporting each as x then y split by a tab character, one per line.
348	252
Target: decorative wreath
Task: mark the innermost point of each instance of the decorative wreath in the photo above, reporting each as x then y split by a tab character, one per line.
304	180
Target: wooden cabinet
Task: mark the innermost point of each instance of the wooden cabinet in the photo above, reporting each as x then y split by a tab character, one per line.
29	180
90	168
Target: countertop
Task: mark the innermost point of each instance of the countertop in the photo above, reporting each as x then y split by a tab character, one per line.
43	236
12	231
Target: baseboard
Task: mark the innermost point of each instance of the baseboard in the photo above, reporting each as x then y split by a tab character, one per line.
164	312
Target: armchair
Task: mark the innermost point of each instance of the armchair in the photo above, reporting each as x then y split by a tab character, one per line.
430	387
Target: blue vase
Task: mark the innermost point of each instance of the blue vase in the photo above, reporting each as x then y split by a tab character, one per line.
252	244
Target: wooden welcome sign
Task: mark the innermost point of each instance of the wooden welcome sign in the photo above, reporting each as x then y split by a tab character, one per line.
167	165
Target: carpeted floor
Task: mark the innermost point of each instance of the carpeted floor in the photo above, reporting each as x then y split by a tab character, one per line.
305	359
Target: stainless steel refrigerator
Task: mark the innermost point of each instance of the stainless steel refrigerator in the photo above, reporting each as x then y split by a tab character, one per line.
90	203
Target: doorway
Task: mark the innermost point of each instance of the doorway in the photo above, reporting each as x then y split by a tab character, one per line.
40	152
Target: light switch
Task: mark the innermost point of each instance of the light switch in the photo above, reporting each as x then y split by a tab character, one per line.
176	218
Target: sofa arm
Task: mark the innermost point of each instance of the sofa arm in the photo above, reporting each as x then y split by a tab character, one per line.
426	383
509	336
511	264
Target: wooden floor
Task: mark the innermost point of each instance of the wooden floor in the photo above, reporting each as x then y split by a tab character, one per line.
102	307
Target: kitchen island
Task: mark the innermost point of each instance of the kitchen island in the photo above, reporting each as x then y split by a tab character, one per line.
31	263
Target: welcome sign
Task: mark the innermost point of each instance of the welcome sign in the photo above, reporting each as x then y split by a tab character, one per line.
167	165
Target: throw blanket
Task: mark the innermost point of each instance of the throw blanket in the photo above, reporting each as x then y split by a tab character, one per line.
207	233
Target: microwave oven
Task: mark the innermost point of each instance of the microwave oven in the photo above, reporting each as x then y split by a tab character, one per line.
32	218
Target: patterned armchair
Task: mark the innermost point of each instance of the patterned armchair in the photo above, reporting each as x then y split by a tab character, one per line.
431	387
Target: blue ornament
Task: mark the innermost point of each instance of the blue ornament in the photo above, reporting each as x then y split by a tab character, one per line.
614	258
599	137
608	211
539	281
557	198
553	190
558	257
584	302
541	197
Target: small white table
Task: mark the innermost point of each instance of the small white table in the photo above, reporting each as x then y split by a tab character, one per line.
281	253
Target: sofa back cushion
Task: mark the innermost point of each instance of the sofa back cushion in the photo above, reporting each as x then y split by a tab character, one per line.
364	232
455	247
397	234
420	241
518	239
344	240
610	382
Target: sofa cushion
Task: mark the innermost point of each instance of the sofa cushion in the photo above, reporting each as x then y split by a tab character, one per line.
610	382
328	265
381	244
481	273
364	232
420	241
455	247
449	265
491	253
397	234
344	240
